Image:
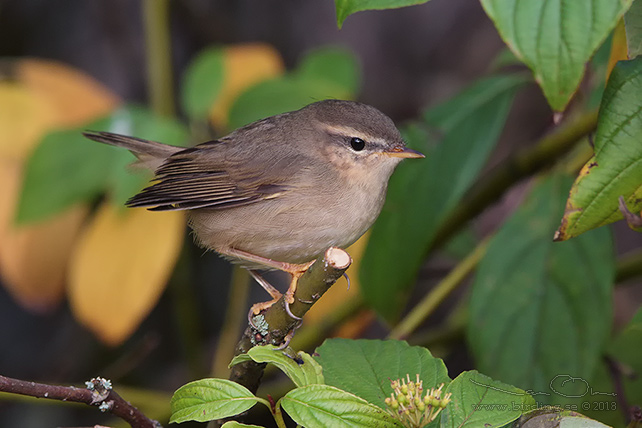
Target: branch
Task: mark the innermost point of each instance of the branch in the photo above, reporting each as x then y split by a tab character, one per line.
433	299
523	164
97	393
617	373
275	326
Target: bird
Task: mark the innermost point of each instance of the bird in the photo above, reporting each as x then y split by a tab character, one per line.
276	193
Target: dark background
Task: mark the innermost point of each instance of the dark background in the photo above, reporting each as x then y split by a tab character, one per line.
411	59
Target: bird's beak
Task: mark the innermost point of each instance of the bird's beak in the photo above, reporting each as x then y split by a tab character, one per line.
403	152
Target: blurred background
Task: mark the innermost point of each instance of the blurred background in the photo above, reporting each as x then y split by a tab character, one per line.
408	59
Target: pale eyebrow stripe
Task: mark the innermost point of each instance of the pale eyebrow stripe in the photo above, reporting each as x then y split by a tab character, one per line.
348	131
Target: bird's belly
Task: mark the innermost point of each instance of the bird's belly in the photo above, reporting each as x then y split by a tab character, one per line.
293	233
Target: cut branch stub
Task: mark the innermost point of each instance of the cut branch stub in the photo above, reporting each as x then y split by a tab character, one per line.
311	286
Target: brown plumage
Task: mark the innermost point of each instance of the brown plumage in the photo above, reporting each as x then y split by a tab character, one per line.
280	191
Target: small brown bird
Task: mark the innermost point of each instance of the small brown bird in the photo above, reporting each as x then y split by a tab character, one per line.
275	194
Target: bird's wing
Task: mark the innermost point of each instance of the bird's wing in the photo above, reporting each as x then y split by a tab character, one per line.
199	178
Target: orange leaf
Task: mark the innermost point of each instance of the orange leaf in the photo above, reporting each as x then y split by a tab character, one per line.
33	259
76	97
356	325
120	268
245	65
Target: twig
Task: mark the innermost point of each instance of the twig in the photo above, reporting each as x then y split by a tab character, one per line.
274	325
616	377
158	49
447	336
513	169
628	266
97	393
232	324
437	295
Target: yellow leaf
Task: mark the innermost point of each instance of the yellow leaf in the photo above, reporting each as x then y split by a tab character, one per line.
44	95
619	49
23	120
244	66
41	96
33	259
76	97
120	267
9	177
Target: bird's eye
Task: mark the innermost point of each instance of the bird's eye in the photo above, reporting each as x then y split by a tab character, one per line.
357	143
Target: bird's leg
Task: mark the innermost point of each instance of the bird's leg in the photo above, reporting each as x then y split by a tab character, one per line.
296	270
291	268
258	307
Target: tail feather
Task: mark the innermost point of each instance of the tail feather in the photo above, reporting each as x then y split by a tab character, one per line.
149	153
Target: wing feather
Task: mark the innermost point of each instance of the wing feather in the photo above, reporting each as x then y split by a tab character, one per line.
196	178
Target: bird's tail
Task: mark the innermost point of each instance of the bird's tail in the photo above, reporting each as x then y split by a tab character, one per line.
150	154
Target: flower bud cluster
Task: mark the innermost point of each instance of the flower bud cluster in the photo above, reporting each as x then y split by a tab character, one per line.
408	404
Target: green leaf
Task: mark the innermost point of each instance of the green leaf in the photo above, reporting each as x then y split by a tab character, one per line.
555	38
234	424
280	95
323	406
627	346
479	401
140	122
540	309
346	8
633	25
552	416
312	371
208	399
422	193
505	58
626	350
322	74
570	419
597	70
332	64
460	245
366	367
599	400
616	168
66	168
202	83
305	372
